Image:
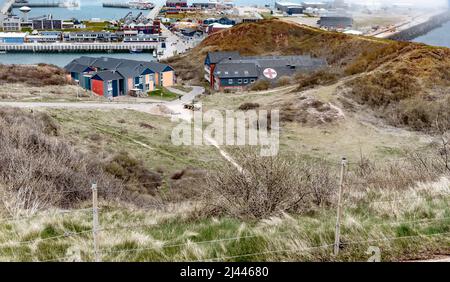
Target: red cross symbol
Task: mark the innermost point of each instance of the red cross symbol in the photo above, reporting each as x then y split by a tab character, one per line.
270	73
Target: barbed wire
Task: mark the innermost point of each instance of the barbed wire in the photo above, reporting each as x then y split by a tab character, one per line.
16	219
327	246
268	252
424	220
110	250
395	238
434	197
66	235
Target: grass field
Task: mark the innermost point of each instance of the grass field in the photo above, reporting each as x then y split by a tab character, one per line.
403	230
145	136
163	94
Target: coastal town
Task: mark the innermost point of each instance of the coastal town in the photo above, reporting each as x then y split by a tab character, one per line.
224	131
177	26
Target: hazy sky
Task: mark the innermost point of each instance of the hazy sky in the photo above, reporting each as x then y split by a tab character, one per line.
413	2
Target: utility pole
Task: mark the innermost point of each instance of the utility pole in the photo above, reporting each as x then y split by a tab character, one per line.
95	222
339	207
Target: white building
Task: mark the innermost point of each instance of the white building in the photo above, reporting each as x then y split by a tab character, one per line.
12	23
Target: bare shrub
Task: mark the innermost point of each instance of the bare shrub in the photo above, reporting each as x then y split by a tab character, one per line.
260	85
284	81
40	75
248	106
266	186
310	80
187	184
39	171
133	171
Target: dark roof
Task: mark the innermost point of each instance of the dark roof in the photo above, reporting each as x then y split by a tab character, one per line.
216	57
255	66
107	63
123	66
75	67
107	75
158	67
236	68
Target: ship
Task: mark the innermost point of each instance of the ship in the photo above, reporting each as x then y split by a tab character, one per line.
141	4
136	4
136	51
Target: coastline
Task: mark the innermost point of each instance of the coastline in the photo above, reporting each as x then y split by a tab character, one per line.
421	29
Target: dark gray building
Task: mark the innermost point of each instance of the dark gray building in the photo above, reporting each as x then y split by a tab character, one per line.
229	70
289	8
336	21
47	24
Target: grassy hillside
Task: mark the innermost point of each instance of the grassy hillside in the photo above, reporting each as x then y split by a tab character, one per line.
39	75
398	80
279	38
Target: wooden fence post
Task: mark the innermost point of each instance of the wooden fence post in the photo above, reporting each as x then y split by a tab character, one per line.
339	207
95	222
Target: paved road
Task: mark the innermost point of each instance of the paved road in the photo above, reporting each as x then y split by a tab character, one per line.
175	106
155	11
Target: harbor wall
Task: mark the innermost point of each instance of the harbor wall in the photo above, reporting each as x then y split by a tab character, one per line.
422	29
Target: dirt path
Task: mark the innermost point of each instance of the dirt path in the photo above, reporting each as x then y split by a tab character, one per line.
176	107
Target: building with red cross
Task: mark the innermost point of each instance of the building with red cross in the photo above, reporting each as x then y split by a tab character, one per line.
231	71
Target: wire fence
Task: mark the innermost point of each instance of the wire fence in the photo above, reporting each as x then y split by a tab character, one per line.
96	250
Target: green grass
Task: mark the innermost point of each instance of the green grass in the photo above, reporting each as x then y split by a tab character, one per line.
183	88
174	236
163	94
123	130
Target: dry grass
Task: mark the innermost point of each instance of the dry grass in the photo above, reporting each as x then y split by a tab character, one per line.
408	90
39	75
39	170
405	217
267	187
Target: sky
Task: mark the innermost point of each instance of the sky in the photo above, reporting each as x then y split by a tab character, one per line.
417	3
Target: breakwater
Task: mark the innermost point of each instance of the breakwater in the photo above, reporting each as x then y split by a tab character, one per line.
423	28
77	47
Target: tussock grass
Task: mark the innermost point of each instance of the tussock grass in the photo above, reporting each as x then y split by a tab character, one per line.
409	221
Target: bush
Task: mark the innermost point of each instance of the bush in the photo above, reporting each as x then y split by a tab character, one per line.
248	106
260	85
284	81
310	80
133	171
267	186
37	76
39	171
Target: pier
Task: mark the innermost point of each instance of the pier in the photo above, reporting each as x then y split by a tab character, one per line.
155	11
7	6
78	47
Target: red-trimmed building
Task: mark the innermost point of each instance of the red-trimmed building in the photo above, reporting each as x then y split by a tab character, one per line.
112	77
176	3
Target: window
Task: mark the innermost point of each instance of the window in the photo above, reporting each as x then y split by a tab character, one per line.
226	72
245	81
252	80
240	81
230	81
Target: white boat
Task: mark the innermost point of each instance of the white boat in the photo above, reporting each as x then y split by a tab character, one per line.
136	51
141	4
